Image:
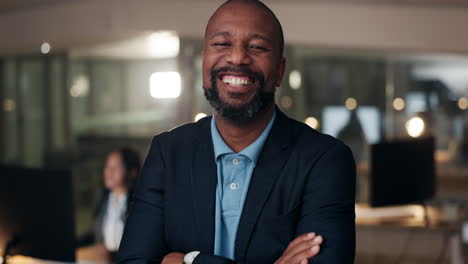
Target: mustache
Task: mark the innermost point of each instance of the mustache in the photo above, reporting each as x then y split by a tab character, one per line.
257	75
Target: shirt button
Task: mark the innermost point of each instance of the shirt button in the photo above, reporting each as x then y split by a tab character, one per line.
233	186
235	161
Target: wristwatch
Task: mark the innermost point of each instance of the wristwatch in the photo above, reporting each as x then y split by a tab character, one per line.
190	257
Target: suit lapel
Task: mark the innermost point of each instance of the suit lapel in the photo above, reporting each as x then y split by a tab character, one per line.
270	163
203	180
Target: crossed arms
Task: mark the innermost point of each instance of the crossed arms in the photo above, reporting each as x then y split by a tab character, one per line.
327	210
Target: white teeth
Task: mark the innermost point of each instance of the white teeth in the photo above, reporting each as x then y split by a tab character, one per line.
233	81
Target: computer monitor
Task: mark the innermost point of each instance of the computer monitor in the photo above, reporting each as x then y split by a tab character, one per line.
334	118
36	210
402	172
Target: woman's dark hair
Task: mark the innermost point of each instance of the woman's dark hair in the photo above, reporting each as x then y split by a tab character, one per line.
131	162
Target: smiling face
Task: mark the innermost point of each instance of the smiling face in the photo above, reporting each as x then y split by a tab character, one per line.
242	60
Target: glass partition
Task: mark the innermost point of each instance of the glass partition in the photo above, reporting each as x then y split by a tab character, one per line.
70	110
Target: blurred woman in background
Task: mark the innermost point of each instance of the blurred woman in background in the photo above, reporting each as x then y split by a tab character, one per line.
120	172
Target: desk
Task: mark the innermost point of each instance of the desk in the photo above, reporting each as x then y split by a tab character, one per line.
86	255
400	235
29	260
95	254
393	235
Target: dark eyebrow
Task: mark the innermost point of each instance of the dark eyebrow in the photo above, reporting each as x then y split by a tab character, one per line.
225	34
258	36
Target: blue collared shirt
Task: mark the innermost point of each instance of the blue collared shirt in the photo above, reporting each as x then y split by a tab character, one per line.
234	173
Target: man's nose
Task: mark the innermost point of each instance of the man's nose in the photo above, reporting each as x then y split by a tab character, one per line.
239	56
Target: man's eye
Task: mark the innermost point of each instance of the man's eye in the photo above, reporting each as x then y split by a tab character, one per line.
221	44
258	47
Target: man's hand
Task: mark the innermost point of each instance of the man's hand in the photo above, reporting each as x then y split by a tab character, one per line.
301	249
173	258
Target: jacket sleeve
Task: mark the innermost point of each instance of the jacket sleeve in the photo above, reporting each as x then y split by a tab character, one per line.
328	205
327	208
143	238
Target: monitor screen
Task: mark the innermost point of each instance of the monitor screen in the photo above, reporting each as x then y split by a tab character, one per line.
36	210
402	172
334	118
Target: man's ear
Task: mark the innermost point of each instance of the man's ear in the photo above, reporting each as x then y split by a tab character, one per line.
281	69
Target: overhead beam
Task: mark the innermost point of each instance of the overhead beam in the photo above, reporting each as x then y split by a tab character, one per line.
337	25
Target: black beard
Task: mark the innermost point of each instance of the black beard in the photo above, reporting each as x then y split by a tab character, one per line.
243	112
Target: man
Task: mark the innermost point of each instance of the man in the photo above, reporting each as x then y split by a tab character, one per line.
249	185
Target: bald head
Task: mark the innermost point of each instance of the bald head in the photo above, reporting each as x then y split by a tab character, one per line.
262	8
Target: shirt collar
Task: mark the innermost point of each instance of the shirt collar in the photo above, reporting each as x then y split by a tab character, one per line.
252	151
122	199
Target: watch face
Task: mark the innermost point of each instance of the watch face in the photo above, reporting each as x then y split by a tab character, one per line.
190	257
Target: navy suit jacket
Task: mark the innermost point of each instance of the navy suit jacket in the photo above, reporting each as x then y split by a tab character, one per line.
304	181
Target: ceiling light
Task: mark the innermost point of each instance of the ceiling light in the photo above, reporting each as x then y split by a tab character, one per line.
312	122
295	79
463	103
165	84
415	127
399	104
164	44
45	48
80	87
351	103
